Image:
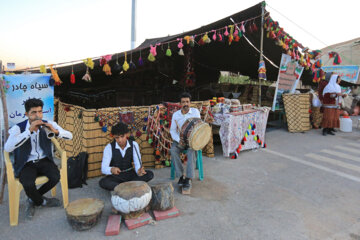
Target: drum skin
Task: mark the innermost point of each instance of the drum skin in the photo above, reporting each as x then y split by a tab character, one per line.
195	134
131	198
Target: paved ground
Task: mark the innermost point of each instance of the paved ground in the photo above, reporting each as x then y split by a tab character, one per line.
303	186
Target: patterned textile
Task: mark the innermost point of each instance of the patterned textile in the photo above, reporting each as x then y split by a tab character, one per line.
126	117
234	126
331	118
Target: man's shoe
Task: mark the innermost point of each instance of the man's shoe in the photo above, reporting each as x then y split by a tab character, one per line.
181	181
333	130
29	210
51	202
187	184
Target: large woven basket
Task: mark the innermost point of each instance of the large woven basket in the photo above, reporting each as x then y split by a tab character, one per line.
297	111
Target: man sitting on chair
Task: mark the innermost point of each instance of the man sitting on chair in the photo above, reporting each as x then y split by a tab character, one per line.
33	155
178	119
121	160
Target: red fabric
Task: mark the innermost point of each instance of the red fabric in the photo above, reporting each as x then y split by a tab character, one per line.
328	100
331	118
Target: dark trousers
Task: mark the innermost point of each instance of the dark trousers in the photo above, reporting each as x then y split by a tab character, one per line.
111	181
28	175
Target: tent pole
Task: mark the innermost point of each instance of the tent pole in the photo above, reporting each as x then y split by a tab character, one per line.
261	44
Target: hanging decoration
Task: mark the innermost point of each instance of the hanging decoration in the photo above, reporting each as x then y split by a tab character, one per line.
168	51
189	77
262	71
104	62
89	63
190	40
72	76
87	76
132	65
117	68
153	52
231	34
125	65
43	69
55	76
180	46
140	61
206	38
336	56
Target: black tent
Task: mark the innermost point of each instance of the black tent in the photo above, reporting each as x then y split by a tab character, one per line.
154	81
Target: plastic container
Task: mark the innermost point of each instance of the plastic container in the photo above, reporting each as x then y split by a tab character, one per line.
345	124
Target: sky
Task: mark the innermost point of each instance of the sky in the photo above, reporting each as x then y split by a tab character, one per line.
46	32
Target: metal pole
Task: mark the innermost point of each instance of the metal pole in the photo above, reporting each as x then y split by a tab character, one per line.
261	44
133	24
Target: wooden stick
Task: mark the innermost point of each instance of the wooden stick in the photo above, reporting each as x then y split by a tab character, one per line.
6	129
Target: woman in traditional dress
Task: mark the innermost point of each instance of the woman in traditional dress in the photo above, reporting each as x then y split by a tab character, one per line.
331	95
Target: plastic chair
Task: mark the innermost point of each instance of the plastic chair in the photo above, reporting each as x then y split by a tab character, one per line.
15	187
199	166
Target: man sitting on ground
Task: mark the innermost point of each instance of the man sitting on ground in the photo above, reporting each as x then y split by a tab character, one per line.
121	160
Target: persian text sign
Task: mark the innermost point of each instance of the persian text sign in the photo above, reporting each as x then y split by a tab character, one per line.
289	74
21	87
347	73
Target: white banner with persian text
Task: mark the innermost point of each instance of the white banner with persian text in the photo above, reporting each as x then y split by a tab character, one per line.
21	87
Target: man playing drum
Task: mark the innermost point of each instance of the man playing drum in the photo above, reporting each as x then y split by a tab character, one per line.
178	119
121	160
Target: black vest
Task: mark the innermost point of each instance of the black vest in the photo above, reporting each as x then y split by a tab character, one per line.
21	154
118	160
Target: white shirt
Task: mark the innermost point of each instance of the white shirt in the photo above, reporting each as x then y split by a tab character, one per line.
105	165
178	119
16	139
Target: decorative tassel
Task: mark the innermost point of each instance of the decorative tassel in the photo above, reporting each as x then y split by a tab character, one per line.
180	44
72	77
55	76
220	38
125	65
214	35
43	69
151	57
253	133
187	39
234	155
242	28
206	38
168	51
226	33
138	133
254	27
153	49
87	77
89	63
104	129
181	52
107	69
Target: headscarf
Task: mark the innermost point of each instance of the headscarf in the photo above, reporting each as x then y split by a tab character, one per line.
332	86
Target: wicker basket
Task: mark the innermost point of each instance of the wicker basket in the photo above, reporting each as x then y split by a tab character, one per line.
297	112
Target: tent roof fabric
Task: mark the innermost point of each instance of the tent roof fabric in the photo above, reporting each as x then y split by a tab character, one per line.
217	56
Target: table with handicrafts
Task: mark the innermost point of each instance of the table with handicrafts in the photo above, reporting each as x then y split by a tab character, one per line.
242	130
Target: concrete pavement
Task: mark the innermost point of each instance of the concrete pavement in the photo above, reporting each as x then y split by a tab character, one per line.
301	187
